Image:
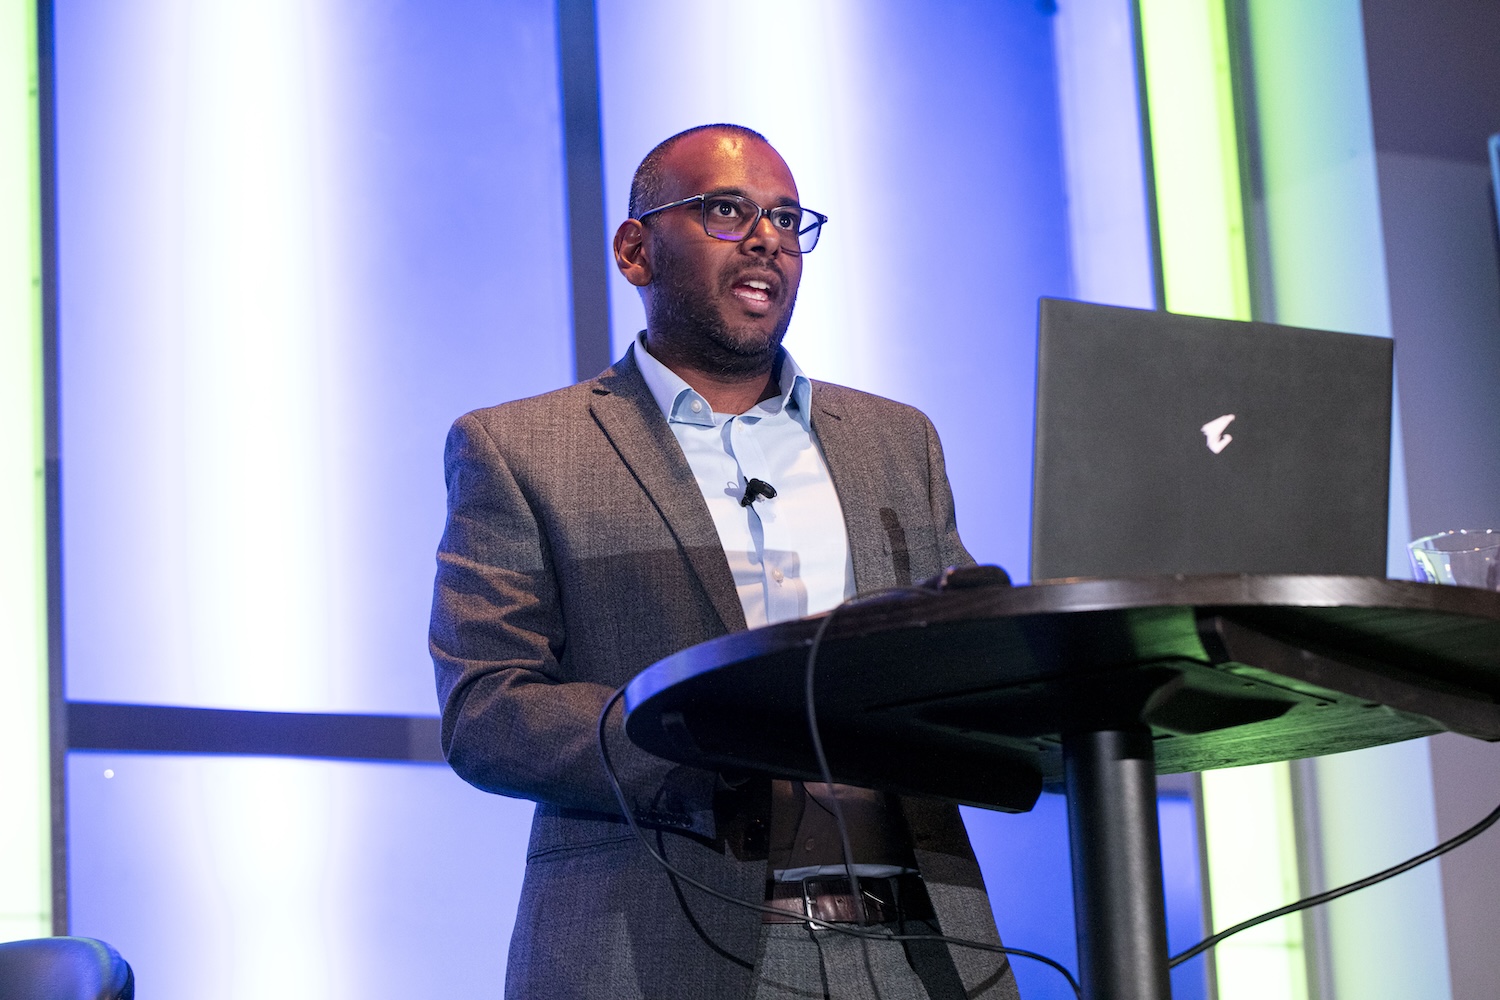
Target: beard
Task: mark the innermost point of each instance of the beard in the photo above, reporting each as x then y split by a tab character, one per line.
683	312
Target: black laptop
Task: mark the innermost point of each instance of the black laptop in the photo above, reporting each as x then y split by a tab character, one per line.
1179	444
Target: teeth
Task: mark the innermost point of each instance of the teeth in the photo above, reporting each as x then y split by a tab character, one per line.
760	285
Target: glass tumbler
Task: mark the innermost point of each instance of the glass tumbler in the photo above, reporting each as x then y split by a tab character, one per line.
1465	558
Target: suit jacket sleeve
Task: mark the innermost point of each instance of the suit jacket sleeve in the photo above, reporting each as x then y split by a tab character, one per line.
517	717
940	495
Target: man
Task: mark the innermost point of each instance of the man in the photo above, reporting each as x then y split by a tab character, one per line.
596	529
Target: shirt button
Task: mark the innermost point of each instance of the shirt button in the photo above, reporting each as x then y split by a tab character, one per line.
697	406
777	575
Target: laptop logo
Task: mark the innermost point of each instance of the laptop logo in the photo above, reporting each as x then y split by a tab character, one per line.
1214	432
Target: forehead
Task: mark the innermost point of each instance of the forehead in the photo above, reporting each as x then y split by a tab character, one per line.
720	161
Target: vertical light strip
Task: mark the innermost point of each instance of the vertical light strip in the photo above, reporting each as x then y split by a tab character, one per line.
1251	844
1327	268
1099	110
1195	157
254	352
25	852
1252	868
1495	171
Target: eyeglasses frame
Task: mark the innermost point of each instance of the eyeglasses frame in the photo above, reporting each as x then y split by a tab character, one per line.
761	213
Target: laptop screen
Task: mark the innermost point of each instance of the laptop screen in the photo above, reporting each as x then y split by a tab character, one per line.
1179	444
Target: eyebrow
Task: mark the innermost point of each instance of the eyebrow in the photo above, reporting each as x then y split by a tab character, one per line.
783	203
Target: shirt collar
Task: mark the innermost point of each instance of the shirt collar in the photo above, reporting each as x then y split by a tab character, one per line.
675	397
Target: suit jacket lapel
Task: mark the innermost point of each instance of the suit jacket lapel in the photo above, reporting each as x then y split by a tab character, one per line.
628	415
849	465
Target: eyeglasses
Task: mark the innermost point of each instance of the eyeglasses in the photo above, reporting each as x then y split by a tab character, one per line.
730	217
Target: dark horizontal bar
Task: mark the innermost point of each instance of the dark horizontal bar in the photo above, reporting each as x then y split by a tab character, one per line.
173	729
168	729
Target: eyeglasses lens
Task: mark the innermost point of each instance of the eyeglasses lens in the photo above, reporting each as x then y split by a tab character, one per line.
809	229
729	217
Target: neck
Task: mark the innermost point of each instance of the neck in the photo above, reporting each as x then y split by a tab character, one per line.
726	391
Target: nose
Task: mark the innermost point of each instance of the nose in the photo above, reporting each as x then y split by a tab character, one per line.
762	238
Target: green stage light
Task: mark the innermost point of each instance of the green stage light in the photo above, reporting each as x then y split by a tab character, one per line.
1195	157
25	811
1323	250
1252	868
1249	832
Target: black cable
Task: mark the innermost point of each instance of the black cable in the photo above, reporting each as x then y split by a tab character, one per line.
845	845
845	929
1343	890
838	815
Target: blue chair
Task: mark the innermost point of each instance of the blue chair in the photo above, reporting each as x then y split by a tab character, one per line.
64	968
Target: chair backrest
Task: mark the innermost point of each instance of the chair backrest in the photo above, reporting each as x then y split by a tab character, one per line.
64	968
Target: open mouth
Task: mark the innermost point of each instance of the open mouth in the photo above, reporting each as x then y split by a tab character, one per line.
755	292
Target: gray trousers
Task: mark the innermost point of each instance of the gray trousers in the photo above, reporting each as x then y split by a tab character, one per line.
798	963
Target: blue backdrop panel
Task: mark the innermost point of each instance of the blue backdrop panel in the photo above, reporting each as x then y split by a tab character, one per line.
929	133
1027	872
1182	881
244	878
296	241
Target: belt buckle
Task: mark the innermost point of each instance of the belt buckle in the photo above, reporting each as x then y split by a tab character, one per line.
807	898
873	910
807	904
865	904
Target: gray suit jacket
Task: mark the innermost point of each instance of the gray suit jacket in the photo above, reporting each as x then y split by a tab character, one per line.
578	551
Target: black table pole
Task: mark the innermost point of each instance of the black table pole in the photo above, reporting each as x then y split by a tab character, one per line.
1116	849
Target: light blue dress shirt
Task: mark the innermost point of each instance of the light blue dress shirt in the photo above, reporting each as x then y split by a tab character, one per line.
789	555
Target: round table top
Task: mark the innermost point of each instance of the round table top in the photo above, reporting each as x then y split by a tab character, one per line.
968	693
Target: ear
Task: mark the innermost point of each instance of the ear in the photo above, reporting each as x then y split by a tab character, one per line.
630	253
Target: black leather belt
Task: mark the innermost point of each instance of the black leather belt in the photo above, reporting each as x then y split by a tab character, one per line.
830	898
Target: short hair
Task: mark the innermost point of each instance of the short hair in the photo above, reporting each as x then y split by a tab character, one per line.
646	186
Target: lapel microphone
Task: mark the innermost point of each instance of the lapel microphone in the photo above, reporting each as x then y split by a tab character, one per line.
755	489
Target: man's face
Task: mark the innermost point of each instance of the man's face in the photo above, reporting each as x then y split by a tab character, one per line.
729	303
